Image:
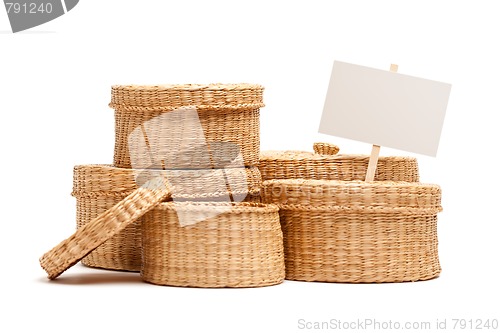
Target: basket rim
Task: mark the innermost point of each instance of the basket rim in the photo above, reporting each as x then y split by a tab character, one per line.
237	207
409	211
111	166
82	189
300	155
351	183
189	87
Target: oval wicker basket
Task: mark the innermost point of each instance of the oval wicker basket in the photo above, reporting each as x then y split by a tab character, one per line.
357	232
223	245
307	165
228	114
97	188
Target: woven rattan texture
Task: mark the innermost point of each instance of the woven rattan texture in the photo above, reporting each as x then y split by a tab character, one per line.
357	232
227	114
240	245
307	165
97	188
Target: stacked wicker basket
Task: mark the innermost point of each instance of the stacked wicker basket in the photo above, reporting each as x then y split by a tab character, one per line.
339	228
191	201
210	229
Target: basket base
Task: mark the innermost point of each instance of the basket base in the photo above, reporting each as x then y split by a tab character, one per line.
361	281
108	266
227	284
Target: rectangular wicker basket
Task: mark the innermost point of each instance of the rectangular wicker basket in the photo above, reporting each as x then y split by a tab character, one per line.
97	188
357	232
227	113
222	245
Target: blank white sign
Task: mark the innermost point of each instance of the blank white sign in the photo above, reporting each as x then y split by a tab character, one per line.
385	108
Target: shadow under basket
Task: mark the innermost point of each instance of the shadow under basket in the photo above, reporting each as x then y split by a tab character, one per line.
357	232
98	188
212	245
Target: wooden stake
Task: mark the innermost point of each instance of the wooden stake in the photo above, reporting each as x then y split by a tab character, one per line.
372	164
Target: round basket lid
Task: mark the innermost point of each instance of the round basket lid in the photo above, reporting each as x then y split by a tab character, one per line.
202	96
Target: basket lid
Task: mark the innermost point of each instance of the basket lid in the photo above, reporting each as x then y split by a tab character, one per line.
353	195
201	96
96	180
307	156
104	226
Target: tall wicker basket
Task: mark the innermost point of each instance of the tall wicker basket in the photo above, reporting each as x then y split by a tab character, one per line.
353	231
225	126
213	245
97	188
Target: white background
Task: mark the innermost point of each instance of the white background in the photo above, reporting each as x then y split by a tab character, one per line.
55	86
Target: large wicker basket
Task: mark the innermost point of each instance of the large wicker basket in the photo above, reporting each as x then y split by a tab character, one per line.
357	231
97	188
213	245
326	165
228	115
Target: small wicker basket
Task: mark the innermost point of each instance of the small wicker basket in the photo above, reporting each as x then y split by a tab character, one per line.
328	166
223	245
97	188
228	115
357	232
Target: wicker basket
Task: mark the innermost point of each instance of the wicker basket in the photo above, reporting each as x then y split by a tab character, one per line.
357	232
97	188
223	245
228	114
307	165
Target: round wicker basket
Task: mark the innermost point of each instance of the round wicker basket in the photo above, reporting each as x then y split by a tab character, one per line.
357	232
97	188
213	245
226	125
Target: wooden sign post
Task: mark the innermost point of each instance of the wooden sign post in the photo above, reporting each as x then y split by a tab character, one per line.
372	164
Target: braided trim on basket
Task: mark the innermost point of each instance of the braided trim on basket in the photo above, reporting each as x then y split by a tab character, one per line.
203	96
367	210
113	194
245	106
96	194
236	207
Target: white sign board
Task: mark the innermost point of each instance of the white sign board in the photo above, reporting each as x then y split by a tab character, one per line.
384	108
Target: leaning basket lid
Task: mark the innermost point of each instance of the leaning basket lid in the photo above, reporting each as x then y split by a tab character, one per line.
104	226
